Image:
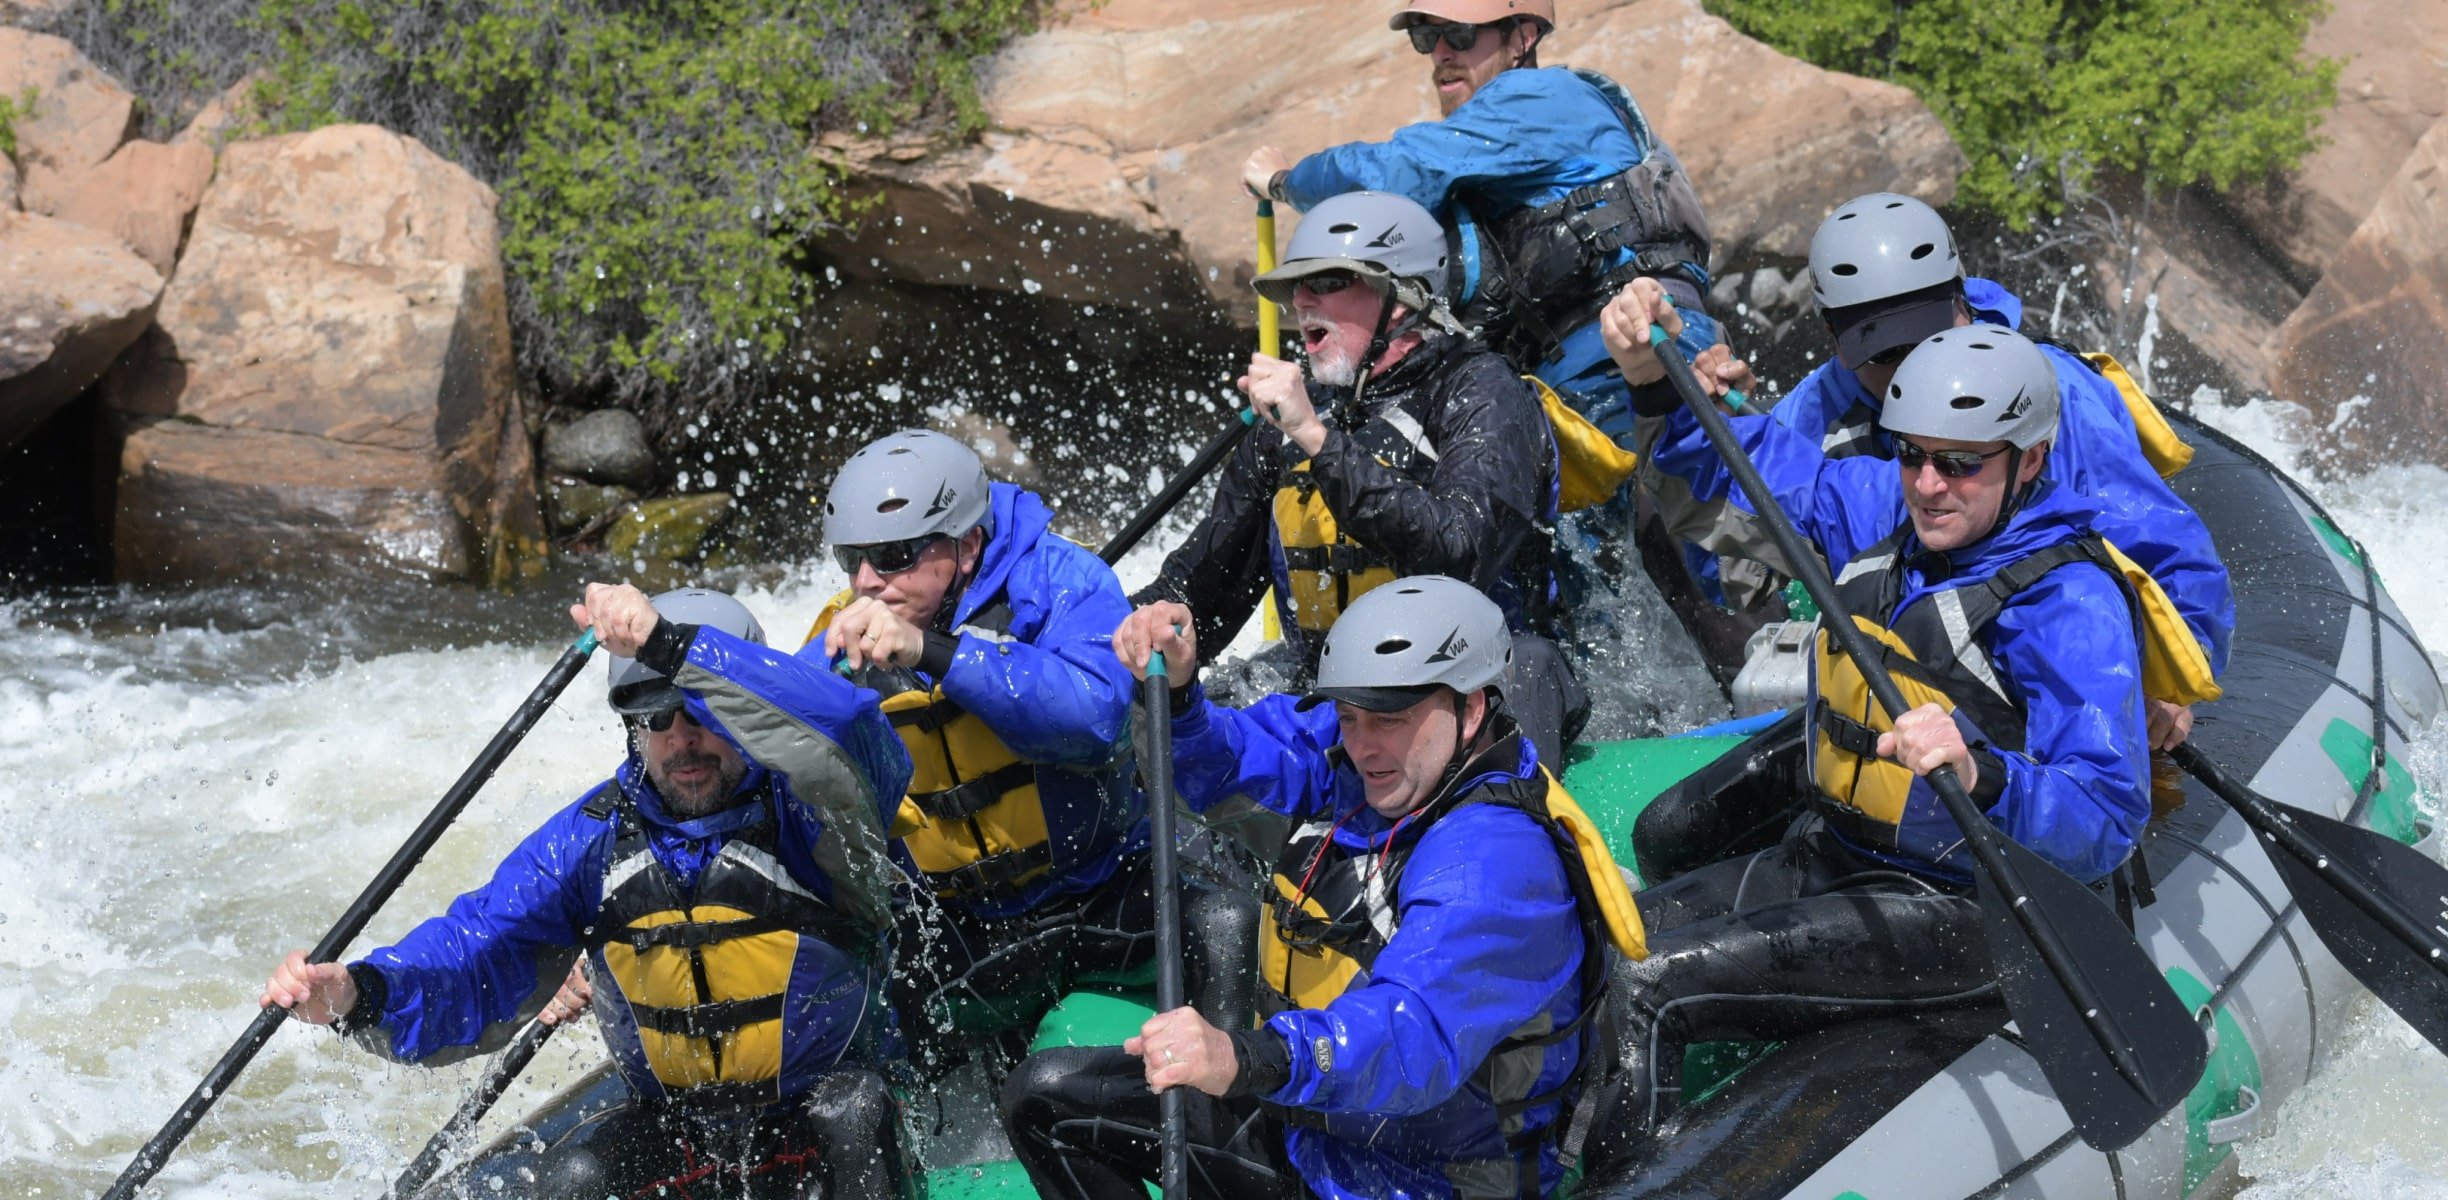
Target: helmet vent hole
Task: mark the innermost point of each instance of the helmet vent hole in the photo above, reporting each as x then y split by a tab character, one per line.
1340	227
894	505
1846	216
1894	392
1965	402
1845	269
1894	204
1984	345
1393	645
1922	251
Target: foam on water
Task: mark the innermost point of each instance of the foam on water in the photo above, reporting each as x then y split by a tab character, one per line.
200	783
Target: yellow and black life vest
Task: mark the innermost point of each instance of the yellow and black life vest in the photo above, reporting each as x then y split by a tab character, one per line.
1589	465
1334	909
2166	452
1934	652
1328	570
704	972
972	821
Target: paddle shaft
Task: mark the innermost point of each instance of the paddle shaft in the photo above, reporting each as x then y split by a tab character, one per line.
1218	447
1156	766
353	922
2271	822
1270	316
497	1079
1979	835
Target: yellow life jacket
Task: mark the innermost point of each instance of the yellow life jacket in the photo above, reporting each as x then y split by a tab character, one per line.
704	973
2166	452
1326	570
1934	653
972	821
1589	465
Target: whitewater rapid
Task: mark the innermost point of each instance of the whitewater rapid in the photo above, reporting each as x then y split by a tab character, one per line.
201	783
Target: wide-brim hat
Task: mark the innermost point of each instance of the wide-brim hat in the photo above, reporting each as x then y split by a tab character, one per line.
1864	331
1374	699
1277	285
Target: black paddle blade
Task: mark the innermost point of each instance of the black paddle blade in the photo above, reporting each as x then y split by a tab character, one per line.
2408	976
2138	1010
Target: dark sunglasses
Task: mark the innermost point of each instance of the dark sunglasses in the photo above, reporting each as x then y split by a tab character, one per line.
888	558
1424	36
1327	283
661	719
1892	354
1954	464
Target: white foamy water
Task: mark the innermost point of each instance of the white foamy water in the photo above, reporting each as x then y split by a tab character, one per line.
198	785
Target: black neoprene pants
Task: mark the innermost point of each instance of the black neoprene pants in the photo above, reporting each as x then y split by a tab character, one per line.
1084	1124
1787	941
842	1142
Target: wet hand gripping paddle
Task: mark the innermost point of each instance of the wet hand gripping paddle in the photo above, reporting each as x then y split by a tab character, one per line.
2119	1048
2378	904
156	1152
1156	769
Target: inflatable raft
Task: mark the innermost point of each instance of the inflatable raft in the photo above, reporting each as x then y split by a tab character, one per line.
2325	688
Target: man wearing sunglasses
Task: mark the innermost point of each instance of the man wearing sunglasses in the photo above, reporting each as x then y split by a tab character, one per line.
730	891
1557	189
2019	640
985	632
1886	276
1398	448
1433	945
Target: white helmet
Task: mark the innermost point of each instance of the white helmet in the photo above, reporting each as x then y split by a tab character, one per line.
1884	273
906	485
1980	383
637	689
1379	236
1402	639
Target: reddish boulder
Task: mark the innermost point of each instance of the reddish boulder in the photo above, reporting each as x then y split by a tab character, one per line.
145	195
74	299
80	114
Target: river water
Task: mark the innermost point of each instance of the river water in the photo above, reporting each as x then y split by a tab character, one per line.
200	782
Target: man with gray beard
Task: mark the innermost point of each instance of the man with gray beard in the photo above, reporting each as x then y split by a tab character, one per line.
1401	447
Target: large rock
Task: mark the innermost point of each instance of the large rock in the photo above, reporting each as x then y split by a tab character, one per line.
343	287
74	299
80	114
2365	351
606	446
2391	90
1124	128
8	184
144	194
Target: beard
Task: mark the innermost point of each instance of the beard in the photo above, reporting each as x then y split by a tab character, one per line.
1333	365
710	794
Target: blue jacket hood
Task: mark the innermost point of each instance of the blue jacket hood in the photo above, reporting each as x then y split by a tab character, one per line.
1020	519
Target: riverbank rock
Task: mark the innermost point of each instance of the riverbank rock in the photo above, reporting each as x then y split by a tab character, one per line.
1124	126
144	194
80	115
8	184
666	530
2365	350
341	288
606	446
74	298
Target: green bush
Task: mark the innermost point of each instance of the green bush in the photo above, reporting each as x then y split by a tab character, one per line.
13	109
652	156
2042	95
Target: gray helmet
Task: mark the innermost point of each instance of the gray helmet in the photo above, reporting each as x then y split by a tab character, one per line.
1885	274
1380	236
1408	636
636	688
1980	383
906	485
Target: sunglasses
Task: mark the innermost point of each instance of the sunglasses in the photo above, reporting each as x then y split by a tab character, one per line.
661	720
1327	283
1426	35
1954	464
1889	356
888	558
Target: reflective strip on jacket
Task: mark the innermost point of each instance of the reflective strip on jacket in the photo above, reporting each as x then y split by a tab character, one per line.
1489	940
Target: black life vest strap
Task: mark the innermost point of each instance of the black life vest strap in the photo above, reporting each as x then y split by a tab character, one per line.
962	801
1340	558
931	717
1844	732
707	1020
996	877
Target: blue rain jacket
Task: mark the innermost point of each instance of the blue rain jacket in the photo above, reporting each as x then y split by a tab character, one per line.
1524	140
1054	693
1488	938
821	755
2096	453
2078	793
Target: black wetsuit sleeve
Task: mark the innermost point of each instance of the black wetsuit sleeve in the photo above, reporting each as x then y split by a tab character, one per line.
1222	570
1482	498
667	647
1266	1062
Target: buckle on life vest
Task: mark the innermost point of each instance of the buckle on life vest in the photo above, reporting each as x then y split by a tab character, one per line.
996	877
688	935
707	1020
965	800
932	717
1341	558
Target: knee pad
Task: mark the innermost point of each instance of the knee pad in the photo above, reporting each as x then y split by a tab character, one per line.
1223	939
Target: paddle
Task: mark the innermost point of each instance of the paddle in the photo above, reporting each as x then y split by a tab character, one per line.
216	1081
1156	768
497	1079
2116	1044
1270	316
2360	890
